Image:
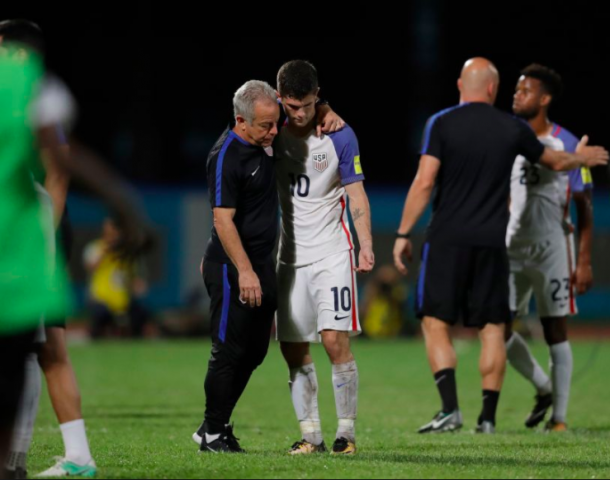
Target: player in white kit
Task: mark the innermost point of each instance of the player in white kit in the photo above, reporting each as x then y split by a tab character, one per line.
318	300
541	247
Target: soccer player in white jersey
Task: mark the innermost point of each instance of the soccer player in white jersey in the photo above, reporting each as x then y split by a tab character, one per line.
541	247
318	301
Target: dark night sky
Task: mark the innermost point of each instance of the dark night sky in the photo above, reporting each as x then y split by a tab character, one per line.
155	86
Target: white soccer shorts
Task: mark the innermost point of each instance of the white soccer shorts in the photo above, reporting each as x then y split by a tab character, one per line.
544	270
318	297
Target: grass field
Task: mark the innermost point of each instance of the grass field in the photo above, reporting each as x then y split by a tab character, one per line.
143	401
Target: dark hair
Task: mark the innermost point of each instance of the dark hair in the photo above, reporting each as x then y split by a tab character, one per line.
551	81
24	32
297	79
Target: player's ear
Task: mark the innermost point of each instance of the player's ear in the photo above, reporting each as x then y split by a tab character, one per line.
546	100
459	84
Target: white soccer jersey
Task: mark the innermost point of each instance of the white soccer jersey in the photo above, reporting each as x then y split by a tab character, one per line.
312	174
540	197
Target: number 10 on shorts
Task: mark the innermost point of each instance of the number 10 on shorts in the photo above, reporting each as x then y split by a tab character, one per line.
343	299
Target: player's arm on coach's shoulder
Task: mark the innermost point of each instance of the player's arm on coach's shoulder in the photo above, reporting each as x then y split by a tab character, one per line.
361	215
249	284
585	156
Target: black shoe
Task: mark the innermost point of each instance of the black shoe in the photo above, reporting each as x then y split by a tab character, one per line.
543	404
233	441
224	442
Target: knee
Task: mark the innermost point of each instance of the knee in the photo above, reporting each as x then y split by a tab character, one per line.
435	329
51	356
337	347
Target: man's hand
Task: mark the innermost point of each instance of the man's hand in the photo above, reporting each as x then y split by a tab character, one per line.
250	289
366	262
595	156
328	121
583	278
403	248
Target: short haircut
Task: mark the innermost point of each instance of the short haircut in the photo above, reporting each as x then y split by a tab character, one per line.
297	79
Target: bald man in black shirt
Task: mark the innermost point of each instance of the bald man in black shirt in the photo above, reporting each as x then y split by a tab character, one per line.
468	154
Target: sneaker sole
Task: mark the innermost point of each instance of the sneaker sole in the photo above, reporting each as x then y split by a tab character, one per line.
452	429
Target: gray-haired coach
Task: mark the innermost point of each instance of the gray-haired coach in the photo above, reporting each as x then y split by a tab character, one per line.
238	269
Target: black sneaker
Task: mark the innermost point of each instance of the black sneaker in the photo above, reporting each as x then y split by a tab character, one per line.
444	423
543	404
233	441
224	442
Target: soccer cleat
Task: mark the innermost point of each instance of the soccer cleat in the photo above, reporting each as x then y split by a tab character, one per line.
444	423
306	448
543	404
555	427
343	446
486	428
224	442
64	468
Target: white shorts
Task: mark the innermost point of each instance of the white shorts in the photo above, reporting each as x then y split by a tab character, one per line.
545	270
318	297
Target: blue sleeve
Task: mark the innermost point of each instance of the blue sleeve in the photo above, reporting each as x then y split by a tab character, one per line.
431	143
348	151
581	180
224	179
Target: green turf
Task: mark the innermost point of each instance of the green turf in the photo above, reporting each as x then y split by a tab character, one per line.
143	401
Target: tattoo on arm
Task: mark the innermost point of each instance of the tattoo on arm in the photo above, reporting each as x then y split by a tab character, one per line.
357	214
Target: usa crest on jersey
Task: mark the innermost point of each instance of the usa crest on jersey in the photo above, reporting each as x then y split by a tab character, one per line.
320	161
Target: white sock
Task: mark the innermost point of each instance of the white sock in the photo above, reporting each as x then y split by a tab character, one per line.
26	418
76	443
345	382
304	391
521	358
562	365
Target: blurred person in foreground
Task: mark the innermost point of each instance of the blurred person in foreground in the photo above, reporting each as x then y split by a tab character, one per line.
51	163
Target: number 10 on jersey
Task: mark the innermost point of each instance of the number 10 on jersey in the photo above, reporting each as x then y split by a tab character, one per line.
299	185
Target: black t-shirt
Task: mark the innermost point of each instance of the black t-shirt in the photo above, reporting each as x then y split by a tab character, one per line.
242	176
477	146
